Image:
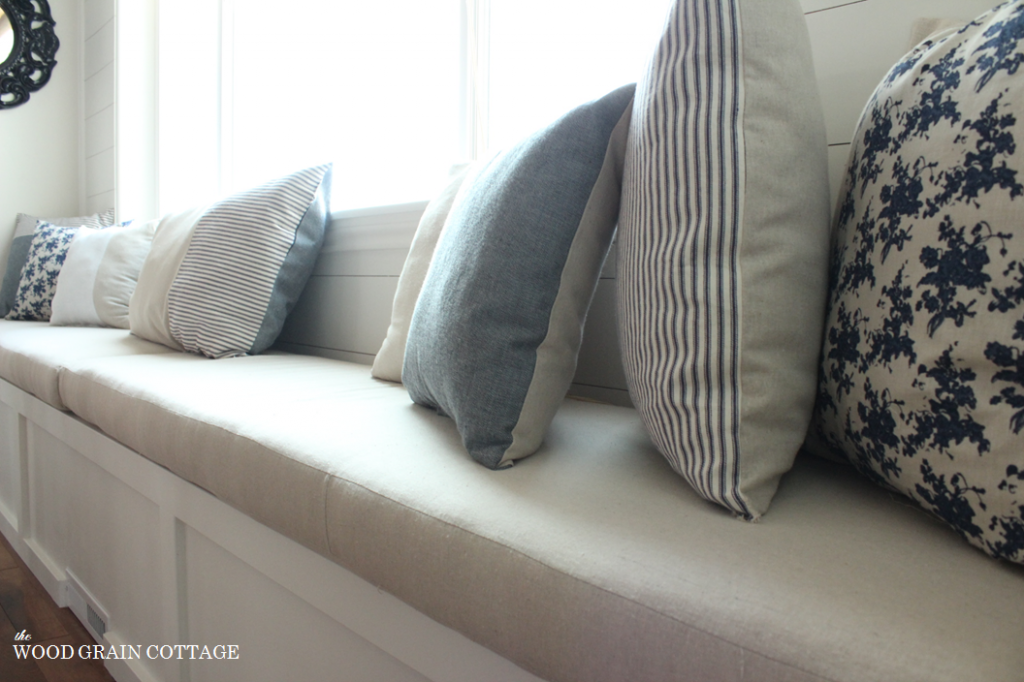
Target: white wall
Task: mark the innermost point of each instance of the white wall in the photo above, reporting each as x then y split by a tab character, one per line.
40	139
99	72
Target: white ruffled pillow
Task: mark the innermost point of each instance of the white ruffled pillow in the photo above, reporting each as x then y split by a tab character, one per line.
99	276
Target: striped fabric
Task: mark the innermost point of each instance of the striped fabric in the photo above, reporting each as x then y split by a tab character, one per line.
220	296
690	394
706	227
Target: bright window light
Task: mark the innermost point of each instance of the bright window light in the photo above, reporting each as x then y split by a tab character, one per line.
384	90
371	86
189	105
549	56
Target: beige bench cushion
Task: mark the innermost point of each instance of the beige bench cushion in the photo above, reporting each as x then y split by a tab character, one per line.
589	561
33	353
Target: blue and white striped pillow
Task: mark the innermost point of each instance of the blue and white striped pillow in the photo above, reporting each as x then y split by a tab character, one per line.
247	261
723	239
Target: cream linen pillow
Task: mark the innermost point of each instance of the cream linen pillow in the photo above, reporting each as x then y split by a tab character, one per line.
99	275
388	363
147	310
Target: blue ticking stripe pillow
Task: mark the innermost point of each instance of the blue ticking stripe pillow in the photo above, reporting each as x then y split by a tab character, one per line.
248	260
723	246
497	327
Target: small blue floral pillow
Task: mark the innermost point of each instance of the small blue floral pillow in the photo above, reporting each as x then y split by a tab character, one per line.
38	282
922	382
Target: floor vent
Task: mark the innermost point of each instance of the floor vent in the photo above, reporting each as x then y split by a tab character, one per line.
96	621
85	607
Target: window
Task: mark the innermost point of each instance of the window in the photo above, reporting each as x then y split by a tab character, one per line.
392	92
549	56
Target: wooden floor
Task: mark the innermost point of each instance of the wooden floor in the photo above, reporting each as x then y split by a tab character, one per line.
25	605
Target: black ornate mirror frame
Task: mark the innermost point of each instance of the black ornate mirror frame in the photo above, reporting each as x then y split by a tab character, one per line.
32	58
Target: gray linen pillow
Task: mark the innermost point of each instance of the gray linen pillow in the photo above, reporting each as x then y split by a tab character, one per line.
387	364
497	327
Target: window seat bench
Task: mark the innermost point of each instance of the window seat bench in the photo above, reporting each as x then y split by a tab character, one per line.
283	502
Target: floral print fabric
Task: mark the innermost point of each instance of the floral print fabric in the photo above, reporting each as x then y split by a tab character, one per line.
38	282
922	384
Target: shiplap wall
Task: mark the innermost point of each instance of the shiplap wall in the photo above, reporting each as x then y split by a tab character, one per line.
99	72
119	107
855	44
345	310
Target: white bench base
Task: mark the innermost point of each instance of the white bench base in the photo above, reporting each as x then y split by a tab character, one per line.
167	563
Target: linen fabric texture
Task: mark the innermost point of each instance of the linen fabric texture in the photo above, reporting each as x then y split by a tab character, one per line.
33	354
147	309
922	381
24	228
99	275
723	246
220	281
595	564
496	330
387	364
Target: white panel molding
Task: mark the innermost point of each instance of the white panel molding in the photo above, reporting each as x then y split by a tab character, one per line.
385	625
82	99
331	353
10	459
98	74
599	367
599	394
369	242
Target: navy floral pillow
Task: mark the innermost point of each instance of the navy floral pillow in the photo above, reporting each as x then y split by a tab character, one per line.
922	383
38	281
